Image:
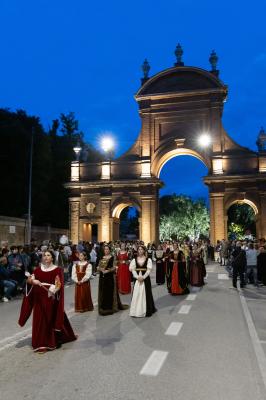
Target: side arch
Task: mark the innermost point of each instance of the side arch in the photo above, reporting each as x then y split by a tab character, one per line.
243	201
117	207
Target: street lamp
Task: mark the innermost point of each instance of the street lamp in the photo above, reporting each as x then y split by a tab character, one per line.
107	144
77	149
204	140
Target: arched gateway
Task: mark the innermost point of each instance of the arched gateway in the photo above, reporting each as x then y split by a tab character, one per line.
176	106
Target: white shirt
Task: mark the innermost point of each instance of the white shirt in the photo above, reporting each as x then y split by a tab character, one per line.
87	275
251	255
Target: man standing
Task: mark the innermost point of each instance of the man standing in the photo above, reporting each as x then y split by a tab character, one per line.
239	265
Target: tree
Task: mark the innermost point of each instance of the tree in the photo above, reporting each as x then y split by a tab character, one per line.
52	156
241	218
181	217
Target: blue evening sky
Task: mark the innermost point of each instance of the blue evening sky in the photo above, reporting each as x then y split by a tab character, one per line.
85	56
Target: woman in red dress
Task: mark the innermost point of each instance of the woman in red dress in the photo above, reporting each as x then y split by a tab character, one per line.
178	279
81	273
123	273
45	296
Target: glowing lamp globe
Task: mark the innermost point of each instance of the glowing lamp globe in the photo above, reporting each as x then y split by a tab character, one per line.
204	140
107	144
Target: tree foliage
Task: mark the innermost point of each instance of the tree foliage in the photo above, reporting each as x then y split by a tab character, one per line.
52	156
182	217
241	218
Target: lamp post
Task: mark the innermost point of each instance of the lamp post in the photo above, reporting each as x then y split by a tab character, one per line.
77	149
30	189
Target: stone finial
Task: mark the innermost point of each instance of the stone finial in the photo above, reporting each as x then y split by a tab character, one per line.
179	53
213	61
261	141
145	69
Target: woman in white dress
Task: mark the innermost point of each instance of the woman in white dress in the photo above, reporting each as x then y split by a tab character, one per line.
142	304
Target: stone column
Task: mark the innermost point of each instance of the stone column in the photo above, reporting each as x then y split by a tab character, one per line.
104	234
74	209
217	217
148	231
262	215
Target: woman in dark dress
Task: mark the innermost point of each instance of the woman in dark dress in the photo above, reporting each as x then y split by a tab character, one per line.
160	272
197	267
108	297
142	304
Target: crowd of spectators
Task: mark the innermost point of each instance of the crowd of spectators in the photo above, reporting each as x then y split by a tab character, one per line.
15	261
254	260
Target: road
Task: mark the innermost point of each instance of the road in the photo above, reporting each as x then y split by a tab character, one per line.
208	345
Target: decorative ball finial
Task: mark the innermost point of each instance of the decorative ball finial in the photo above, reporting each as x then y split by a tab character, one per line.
145	68
178	53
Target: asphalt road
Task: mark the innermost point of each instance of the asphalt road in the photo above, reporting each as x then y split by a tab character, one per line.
210	345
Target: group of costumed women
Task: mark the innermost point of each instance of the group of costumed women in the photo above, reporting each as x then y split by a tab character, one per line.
45	289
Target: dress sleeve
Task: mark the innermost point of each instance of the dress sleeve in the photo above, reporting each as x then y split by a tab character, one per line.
149	268
132	268
87	273
74	274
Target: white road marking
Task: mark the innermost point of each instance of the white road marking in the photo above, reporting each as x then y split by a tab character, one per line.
154	363
15	335
174	328
210	269
260	355
184	309
223	276
191	297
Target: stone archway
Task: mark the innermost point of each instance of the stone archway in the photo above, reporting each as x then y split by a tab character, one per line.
252	203
116	210
175	107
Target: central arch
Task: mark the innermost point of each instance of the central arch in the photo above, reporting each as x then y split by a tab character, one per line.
162	159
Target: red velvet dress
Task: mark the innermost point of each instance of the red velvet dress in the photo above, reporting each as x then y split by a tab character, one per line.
123	274
83	301
50	325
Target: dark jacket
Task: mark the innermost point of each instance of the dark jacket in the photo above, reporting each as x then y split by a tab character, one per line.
239	258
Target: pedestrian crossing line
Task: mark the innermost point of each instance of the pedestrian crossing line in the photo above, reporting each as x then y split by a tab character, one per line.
191	297
223	276
174	328
184	309
154	363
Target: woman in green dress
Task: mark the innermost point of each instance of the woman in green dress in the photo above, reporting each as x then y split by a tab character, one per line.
108	297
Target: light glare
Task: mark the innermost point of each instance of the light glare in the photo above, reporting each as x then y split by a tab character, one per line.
204	140
107	144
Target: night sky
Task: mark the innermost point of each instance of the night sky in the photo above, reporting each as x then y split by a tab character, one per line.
85	56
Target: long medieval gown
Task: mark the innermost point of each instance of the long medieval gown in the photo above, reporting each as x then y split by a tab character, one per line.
197	270
177	283
82	273
142	303
123	274
108	297
50	325
160	269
